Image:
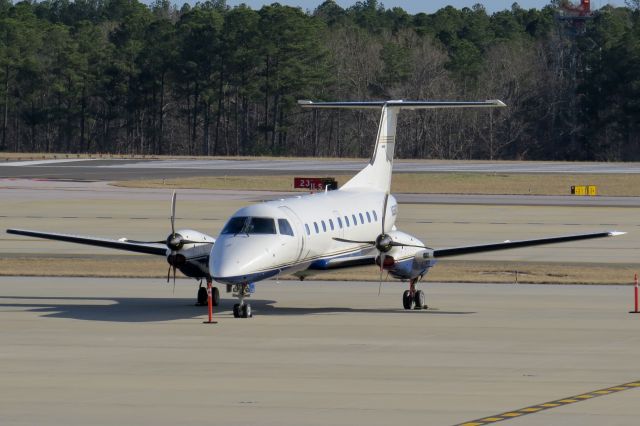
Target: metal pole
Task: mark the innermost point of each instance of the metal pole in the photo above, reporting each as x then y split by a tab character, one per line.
210	303
635	279
635	293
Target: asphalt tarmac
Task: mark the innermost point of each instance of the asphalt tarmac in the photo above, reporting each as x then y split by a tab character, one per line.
109	170
117	351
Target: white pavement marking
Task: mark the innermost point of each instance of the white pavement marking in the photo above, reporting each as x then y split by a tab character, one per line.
42	162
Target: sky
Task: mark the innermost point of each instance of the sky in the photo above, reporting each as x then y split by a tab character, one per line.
416	6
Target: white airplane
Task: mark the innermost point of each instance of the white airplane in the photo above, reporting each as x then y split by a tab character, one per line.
349	227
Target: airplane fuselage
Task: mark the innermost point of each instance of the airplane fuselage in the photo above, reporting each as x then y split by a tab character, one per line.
294	234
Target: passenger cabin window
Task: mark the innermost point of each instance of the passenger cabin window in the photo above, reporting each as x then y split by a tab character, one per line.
285	227
315	225
307	228
375	216
324	226
368	217
331	224
361	219
250	225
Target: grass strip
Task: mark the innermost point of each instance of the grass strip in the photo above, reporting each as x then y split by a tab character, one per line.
137	266
622	185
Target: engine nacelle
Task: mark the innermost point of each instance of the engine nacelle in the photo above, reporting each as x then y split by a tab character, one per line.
407	262
193	257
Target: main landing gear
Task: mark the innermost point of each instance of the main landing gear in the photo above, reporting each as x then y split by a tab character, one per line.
242	309
203	296
413	298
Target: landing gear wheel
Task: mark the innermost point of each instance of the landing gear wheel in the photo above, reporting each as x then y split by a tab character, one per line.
202	296
215	296
236	310
419	299
407	300
246	311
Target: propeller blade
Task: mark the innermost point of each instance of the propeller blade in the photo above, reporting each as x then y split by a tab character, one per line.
173	213
398	244
193	242
382	259
384	210
169	273
126	240
174	279
342	240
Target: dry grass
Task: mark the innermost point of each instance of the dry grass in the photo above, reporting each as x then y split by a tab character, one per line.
426	183
31	156
127	266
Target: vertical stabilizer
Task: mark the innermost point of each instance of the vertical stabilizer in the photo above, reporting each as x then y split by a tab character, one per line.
376	176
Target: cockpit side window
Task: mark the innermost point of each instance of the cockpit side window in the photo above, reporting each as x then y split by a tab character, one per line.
285	227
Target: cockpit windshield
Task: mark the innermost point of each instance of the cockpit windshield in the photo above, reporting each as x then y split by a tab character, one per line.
250	225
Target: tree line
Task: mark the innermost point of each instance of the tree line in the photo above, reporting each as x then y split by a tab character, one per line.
119	76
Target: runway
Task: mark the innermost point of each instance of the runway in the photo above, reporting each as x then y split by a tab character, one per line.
118	351
108	169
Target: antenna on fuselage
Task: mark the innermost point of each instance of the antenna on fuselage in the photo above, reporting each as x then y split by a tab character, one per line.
376	176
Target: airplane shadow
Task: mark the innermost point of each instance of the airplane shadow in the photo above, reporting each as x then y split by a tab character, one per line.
137	309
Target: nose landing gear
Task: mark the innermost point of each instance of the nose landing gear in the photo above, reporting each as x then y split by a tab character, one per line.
413	298
242	309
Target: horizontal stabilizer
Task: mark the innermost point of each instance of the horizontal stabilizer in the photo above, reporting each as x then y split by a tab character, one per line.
402	104
506	245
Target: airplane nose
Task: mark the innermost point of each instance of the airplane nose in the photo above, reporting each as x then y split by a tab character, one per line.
238	260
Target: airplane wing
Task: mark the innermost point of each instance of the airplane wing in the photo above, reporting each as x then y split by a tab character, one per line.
342	262
505	245
138	247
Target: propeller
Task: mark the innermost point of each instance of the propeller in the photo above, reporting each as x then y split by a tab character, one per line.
383	242
174	242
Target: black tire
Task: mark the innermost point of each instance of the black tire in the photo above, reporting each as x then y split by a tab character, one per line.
202	296
215	296
419	299
407	300
246	311
236	310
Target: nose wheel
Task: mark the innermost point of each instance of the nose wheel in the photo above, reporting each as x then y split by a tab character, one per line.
242	309
412	298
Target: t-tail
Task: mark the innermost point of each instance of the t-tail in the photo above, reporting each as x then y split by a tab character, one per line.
376	176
